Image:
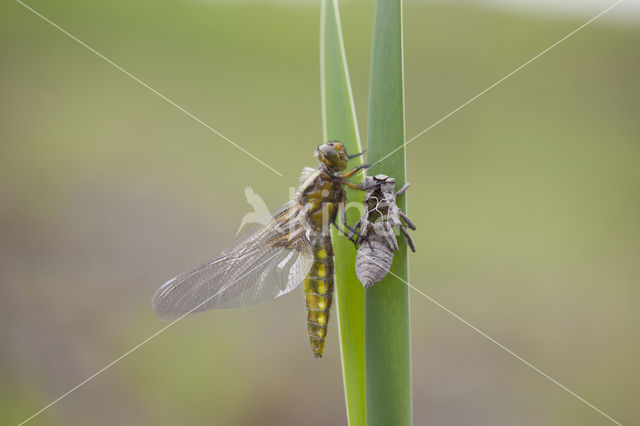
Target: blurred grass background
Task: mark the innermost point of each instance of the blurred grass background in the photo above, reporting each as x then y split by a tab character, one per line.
526	202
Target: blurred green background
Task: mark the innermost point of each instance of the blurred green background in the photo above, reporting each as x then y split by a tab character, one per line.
527	205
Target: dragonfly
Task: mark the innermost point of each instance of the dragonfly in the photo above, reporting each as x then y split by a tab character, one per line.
274	257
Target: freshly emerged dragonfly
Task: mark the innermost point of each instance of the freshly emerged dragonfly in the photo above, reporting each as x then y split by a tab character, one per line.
271	259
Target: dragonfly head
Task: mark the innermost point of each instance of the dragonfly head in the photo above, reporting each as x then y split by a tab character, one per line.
333	154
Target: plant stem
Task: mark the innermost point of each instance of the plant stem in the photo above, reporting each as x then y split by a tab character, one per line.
387	332
340	124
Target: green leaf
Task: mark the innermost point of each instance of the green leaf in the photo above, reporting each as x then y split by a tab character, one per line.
340	124
387	333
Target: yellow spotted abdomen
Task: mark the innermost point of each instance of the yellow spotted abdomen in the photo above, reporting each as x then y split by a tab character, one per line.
318	291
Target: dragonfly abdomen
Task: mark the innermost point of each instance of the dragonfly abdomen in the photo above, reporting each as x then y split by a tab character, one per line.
318	291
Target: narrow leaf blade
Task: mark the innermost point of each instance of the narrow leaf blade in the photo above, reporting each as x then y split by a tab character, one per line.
340	124
387	332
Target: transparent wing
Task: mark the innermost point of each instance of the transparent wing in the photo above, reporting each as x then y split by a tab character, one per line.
265	262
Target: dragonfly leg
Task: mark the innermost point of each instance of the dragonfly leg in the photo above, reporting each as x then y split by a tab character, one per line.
355	227
409	240
403	189
355	170
365	188
344	220
349	235
390	236
356	155
353	185
352	231
408	221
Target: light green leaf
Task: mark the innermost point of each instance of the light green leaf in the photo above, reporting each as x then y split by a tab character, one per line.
340	124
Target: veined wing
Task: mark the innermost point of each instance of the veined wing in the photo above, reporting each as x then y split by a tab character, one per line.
265	262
